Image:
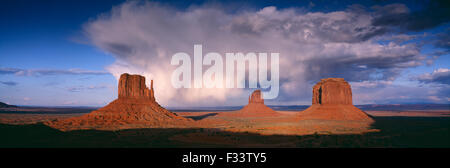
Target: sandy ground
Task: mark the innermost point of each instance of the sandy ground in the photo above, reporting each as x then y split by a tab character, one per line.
285	124
16	119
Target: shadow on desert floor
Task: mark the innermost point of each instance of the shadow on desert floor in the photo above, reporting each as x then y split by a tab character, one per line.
201	117
395	132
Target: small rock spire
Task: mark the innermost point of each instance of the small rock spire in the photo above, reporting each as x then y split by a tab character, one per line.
256	97
152	92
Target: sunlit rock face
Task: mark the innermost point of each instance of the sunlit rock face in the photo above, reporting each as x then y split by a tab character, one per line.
254	108
133	86
256	97
135	108
332	91
332	100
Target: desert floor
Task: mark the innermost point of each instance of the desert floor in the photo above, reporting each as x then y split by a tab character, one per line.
391	129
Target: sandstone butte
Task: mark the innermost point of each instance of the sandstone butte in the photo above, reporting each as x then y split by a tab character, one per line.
254	108
135	107
332	100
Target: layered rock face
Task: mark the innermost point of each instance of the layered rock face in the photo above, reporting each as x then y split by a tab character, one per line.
133	86
332	91
332	100
135	108
254	108
256	97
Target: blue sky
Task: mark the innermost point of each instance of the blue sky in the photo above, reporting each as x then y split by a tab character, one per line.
50	55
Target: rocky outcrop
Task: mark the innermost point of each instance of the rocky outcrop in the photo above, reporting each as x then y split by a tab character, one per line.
254	108
332	100
135	108
332	91
256	97
133	86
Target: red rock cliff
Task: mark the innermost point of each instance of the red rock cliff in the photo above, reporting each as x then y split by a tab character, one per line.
256	97
133	86
254	108
135	108
332	91
332	100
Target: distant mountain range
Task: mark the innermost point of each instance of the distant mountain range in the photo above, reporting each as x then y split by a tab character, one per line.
4	105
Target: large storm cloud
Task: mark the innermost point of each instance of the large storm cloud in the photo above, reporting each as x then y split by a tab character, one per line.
143	36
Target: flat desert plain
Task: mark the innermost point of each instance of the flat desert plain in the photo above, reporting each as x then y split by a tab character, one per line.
410	128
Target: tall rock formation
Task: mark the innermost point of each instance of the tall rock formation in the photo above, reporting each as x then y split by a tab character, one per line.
135	107
254	108
256	98
332	100
332	91
133	86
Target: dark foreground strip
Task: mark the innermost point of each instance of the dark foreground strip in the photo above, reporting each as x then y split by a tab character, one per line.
224	157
